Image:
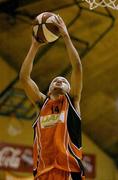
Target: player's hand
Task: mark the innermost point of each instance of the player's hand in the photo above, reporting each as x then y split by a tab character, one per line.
36	44
61	25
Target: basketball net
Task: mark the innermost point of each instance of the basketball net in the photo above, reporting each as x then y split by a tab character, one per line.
103	3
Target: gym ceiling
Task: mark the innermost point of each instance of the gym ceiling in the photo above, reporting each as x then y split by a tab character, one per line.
94	34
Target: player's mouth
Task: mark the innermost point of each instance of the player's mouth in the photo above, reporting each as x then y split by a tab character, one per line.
58	84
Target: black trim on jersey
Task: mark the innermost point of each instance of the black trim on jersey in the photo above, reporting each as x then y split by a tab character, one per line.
76	176
78	160
74	129
35	121
34	132
74	124
34	172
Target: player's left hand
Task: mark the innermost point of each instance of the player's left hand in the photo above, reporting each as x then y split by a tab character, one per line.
61	25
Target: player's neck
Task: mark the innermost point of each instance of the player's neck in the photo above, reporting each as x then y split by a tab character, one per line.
55	96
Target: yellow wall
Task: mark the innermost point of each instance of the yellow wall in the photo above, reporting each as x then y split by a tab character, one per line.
6	74
105	167
8	127
116	174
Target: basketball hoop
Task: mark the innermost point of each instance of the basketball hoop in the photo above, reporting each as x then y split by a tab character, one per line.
113	4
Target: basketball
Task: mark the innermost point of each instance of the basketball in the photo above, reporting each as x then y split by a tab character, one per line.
44	30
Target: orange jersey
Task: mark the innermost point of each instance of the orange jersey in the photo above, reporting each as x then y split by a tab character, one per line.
53	147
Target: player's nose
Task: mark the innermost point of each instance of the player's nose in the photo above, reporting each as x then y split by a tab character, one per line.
59	81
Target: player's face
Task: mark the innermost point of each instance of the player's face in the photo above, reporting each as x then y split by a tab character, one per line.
59	85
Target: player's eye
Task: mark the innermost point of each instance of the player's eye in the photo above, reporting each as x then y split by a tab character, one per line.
64	81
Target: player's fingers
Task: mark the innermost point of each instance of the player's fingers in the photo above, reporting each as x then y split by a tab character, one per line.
54	21
57	21
60	18
57	18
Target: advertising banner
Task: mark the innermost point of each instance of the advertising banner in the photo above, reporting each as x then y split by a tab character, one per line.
16	158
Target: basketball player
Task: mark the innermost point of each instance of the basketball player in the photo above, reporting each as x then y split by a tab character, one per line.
57	150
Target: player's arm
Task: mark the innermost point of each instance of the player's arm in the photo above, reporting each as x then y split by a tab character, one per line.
76	76
28	84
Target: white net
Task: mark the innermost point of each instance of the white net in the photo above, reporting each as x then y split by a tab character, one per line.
103	3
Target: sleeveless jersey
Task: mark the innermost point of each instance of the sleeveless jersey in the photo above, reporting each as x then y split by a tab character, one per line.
53	143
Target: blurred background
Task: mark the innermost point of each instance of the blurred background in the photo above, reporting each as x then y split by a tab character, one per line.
95	35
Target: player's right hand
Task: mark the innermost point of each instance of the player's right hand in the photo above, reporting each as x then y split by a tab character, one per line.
36	43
